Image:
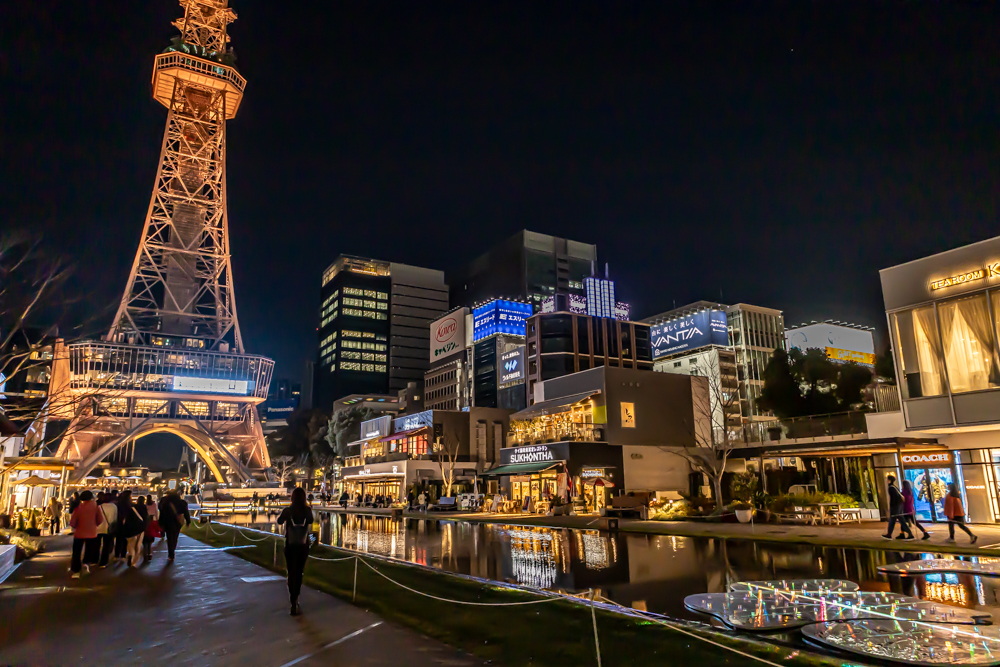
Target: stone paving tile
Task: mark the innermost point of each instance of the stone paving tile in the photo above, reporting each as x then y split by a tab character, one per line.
196	611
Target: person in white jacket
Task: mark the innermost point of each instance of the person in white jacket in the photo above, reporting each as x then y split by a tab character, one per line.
106	531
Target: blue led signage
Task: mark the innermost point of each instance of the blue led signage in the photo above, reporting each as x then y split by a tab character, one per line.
708	327
499	316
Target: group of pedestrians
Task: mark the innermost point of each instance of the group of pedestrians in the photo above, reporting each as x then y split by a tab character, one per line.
902	510
113	528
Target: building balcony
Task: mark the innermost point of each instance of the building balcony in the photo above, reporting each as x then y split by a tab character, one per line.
558	433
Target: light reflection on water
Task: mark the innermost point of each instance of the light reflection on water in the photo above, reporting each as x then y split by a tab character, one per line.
655	572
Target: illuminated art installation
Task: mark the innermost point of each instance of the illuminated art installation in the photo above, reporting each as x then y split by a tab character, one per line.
913	643
796	585
764	610
887	626
935	565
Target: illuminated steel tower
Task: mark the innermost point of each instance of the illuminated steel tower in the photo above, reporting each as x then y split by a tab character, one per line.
182	281
174	360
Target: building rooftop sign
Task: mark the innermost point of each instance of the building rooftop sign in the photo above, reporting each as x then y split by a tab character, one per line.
500	316
706	327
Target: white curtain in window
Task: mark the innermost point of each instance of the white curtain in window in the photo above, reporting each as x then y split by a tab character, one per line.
928	351
968	344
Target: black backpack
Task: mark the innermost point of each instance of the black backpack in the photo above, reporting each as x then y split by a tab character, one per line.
296	533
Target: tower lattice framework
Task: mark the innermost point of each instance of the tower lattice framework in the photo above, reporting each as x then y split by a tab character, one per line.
181	281
173	360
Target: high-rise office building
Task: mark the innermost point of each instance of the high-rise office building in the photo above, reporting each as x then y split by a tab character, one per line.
527	266
374	323
562	342
754	333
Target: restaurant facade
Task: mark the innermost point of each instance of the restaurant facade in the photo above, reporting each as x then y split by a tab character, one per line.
399	454
598	433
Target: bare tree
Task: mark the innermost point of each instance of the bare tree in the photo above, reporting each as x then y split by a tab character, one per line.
446	449
325	464
283	467
715	402
31	291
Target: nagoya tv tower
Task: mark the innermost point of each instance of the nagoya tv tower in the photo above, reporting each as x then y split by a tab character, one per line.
173	360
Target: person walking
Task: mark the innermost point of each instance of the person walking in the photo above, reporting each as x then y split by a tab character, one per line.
54	514
173	512
422	501
108	531
152	527
154	519
896	512
955	511
85	520
910	509
122	504
297	520
132	526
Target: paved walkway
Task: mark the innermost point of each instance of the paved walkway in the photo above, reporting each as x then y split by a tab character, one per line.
200	610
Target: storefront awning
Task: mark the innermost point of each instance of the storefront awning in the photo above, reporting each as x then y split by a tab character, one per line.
555	406
403	434
521	468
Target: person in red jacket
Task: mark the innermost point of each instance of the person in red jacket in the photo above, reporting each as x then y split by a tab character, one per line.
955	512
85	519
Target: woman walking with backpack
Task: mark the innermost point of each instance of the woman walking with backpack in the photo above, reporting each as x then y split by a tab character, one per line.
297	520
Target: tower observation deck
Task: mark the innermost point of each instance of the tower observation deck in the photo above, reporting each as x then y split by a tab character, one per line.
173	359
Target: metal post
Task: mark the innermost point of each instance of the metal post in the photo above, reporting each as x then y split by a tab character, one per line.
354	595
593	616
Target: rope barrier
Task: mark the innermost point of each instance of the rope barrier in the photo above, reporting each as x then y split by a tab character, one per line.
332	560
476	604
659	621
263	539
592	597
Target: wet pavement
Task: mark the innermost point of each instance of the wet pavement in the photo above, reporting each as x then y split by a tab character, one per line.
207	608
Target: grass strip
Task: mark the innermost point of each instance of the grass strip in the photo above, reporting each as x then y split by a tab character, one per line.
553	633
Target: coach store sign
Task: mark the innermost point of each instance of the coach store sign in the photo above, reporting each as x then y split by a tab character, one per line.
927	459
535	453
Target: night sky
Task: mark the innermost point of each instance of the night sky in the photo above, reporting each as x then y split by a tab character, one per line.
781	153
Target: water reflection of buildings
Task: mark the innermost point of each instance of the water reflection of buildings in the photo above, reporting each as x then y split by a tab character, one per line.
537	556
380	535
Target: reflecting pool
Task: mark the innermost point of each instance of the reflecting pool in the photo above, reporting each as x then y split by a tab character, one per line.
651	572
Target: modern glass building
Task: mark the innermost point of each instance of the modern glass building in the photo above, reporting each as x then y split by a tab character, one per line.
527	266
562	343
754	334
373	328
